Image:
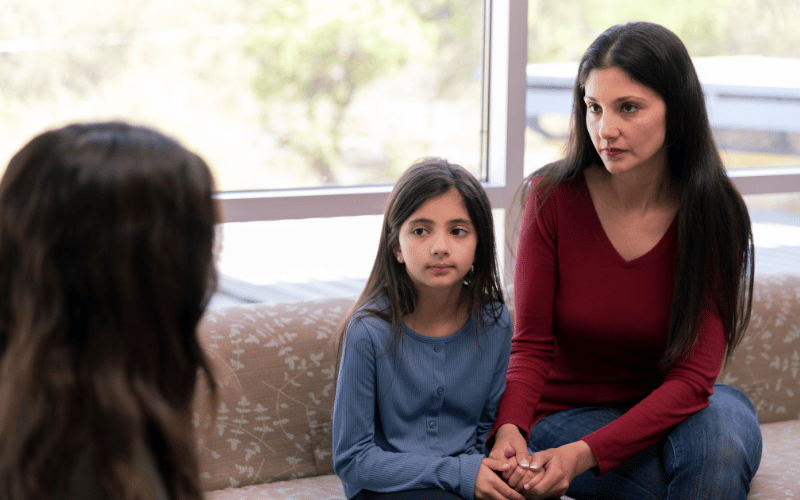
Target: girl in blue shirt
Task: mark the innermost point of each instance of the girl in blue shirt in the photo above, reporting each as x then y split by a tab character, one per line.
425	350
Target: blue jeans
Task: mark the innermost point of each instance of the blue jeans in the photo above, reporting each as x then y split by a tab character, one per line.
711	455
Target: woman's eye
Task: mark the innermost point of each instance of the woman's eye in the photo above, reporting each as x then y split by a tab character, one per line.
419	231
629	108
458	231
593	108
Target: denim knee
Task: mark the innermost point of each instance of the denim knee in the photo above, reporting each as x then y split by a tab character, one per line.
715	453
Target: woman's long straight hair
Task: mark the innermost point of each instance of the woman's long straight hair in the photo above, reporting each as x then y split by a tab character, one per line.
106	266
714	266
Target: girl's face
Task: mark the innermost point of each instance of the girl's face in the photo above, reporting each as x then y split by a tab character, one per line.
626	120
437	243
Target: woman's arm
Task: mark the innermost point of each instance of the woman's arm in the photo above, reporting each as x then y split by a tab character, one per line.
686	388
532	348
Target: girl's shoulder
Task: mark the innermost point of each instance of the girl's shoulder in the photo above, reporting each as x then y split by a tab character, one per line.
496	314
370	318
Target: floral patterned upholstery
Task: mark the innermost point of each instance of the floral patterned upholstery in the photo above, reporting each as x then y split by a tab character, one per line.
274	367
267	435
766	365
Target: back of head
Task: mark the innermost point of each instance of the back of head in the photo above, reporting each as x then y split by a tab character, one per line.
106	266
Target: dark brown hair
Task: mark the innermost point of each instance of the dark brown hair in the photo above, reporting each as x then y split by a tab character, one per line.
106	266
426	179
715	241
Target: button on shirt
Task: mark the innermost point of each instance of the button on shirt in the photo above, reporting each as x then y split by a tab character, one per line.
435	400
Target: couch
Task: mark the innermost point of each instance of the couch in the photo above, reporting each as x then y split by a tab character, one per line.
267	435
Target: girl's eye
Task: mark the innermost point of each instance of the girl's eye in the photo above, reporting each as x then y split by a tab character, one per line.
419	231
458	231
592	108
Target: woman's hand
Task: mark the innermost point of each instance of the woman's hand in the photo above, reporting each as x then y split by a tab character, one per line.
559	466
489	485
510	447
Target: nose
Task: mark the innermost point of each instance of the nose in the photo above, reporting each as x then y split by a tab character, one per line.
608	128
439	243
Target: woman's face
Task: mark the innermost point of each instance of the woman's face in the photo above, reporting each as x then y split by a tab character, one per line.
626	121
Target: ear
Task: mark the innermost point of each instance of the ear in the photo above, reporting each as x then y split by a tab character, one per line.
399	255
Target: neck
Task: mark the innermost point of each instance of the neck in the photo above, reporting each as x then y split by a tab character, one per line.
438	313
642	191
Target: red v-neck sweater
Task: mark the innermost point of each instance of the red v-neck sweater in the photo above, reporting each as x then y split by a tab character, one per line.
590	330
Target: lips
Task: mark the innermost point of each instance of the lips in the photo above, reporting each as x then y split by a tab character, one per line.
440	268
613	152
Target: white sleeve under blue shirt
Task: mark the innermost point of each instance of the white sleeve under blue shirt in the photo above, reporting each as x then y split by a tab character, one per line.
418	417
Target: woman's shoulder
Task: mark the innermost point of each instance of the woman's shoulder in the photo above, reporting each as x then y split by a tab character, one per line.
548	188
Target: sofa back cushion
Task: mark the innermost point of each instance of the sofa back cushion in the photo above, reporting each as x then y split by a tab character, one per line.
274	366
766	365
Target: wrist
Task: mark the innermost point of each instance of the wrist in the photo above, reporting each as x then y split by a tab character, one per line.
585	456
506	430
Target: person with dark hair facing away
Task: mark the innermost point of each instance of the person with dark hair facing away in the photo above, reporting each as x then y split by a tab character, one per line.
633	282
424	352
106	266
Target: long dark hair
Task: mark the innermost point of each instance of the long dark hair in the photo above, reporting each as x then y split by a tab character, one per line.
106	266
715	241
426	179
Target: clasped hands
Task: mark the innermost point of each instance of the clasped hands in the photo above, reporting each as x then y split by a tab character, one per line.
510	473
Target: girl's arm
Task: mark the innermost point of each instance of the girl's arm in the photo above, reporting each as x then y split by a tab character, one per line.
358	461
498	332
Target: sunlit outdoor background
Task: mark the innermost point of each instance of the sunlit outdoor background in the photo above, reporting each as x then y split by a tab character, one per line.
280	94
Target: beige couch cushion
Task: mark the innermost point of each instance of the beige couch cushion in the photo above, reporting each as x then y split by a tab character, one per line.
327	487
282	357
766	365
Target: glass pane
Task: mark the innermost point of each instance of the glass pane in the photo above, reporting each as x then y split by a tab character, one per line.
274	93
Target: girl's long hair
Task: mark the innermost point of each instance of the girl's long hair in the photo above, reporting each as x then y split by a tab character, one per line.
106	266
426	179
715	243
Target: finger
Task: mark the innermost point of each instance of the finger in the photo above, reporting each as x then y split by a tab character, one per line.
512	464
540	458
504	491
516	477
523	459
545	482
496	465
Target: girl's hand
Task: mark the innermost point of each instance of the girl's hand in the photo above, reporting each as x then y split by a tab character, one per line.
489	485
559	467
510	447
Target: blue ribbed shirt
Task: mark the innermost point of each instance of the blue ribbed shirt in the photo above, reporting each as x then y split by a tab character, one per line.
417	417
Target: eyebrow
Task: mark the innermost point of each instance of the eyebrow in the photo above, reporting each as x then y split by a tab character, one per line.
619	99
428	221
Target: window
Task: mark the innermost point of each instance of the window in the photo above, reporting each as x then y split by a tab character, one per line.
437	77
276	94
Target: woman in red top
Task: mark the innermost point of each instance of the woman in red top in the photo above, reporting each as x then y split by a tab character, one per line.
632	284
